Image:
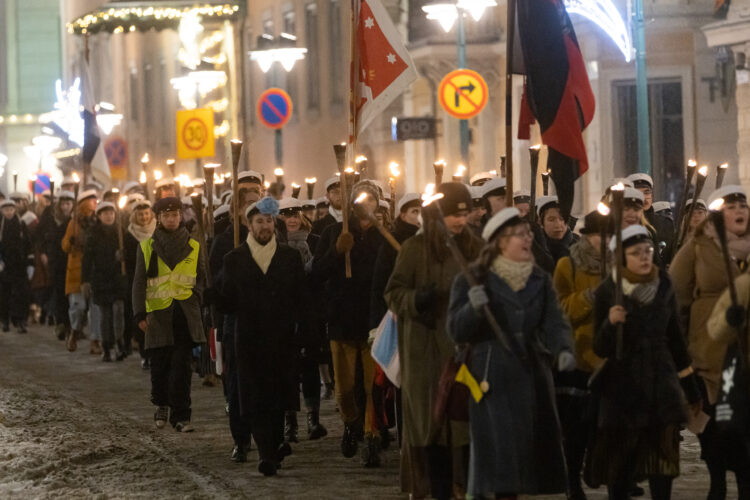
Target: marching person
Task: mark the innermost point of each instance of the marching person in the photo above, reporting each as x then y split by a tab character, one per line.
699	278
348	316
102	279
663	226
516	447
16	258
263	286
576	278
141	226
72	244
642	390
476	215
522	201
333	211
432	452
700	213
557	235
168	286
52	229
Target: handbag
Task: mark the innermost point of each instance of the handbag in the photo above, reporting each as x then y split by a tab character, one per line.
452	398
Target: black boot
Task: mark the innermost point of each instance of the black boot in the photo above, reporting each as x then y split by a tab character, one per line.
315	430
106	355
371	451
239	454
290	427
349	441
6	327
22	327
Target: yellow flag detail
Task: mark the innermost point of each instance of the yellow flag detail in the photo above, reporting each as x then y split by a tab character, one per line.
465	377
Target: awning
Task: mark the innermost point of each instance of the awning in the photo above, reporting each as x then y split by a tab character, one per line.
128	16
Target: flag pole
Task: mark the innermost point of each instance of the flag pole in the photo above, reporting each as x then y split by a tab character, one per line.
353	85
511	33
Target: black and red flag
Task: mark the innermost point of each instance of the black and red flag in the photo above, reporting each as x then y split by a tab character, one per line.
557	91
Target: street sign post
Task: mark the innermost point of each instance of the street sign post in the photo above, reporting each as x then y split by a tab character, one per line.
463	94
195	133
274	108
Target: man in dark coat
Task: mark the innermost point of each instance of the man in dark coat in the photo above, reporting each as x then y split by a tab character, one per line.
333	215
51	230
558	237
167	292
348	316
15	258
263	286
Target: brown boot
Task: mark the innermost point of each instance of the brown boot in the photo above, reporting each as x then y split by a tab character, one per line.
96	347
70	340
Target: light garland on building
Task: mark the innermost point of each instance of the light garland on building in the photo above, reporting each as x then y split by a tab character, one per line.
604	14
117	20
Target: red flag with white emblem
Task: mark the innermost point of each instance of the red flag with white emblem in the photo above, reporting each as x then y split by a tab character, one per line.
385	68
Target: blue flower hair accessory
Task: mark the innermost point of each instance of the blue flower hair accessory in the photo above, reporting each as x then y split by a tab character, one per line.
266	206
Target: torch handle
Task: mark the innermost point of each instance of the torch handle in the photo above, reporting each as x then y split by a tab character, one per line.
208	175
699	183
683	200
120	241
603	253
617	202
340	151
388	236
532	201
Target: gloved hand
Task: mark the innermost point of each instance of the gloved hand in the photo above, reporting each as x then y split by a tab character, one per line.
566	362
86	290
735	316
344	243
29	272
425	298
478	297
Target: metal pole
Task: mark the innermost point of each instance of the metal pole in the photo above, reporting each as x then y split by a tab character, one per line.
511	34
279	153
641	84
463	124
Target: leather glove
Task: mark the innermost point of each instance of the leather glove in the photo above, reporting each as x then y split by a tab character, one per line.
566	362
344	243
425	298
690	388
478	297
735	316
86	290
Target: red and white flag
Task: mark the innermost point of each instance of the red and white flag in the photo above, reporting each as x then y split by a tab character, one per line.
385	68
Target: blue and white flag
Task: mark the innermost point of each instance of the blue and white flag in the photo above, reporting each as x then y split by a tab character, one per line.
385	348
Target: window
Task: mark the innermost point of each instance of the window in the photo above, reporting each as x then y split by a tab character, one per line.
288	22
134	102
666	132
335	68
312	60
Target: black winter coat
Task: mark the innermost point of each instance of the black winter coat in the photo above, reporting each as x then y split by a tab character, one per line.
101	267
317	229
642	389
15	249
347	300
50	235
560	248
271	311
384	267
664	234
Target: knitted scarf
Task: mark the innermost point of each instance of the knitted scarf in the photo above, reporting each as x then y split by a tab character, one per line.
515	274
262	254
173	246
335	213
639	287
140	232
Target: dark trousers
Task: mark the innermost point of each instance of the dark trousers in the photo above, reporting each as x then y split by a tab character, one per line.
15	294
310	374
576	421
60	301
268	433
171	372
239	425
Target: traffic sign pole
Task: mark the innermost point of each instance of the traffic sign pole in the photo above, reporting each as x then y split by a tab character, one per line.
279	144
463	124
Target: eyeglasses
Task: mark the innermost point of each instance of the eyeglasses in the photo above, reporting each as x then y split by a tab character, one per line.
639	254
522	233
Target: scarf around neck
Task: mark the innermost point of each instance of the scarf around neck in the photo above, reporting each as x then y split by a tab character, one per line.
739	246
172	246
335	213
641	288
585	256
515	274
262	254
140	232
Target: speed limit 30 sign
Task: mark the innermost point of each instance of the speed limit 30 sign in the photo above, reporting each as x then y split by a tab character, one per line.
195	133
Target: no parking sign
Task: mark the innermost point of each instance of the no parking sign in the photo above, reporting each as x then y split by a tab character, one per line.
274	108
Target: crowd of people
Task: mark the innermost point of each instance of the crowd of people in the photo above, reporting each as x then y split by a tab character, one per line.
536	352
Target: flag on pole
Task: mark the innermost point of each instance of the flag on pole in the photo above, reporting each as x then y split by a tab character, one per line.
557	92
91	134
384	67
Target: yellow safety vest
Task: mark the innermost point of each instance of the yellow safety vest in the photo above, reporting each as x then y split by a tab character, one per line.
170	284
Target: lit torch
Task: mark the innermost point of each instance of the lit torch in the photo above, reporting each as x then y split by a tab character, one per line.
395	172
296	188
310	182
721	171
459	175
439	167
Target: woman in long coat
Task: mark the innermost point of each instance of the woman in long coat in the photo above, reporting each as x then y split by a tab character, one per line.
699	278
516	446
15	257
418	293
640	390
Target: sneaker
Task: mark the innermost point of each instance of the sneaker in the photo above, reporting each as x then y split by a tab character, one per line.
184	427
349	442
161	416
371	451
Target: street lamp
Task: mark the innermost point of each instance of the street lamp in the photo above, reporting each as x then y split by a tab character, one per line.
446	12
284	51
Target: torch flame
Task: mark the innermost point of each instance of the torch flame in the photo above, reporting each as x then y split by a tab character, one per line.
362	197
295	185
349	170
692	163
278	171
618	187
212	165
122	202
716	205
75	176
602	208
359	159
310	180
460	171
170	161
157	175
142	177
703	171
115	190
145	158
393	166
236	141
267	184
493	172
724	165
441	162
536	147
